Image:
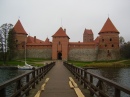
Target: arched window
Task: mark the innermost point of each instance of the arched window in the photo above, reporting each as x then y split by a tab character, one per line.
110	39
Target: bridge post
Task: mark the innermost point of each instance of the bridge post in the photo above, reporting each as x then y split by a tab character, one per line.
19	87
85	76
81	75
91	81
33	76
2	92
27	80
37	73
117	92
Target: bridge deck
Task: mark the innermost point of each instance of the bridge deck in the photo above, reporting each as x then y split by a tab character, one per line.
58	84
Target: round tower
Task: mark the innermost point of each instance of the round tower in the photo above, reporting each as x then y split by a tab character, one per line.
108	42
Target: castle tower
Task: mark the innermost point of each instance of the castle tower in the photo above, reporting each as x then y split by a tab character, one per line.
20	35
108	42
60	45
88	35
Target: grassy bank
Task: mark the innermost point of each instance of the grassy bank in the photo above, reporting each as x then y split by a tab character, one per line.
119	63
21	62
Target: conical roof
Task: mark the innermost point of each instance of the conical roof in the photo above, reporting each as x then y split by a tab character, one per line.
108	27
60	32
18	28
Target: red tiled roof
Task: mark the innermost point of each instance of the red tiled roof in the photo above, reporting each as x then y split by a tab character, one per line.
47	40
18	28
97	40
108	27
88	31
31	39
37	42
60	32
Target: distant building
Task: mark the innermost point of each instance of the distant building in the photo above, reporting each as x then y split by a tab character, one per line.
104	47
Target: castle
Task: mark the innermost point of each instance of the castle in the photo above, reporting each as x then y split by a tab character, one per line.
104	47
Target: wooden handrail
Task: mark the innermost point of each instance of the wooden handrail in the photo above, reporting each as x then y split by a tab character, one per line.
31	78
86	78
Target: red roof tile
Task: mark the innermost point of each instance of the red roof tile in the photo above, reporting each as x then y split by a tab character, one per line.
108	27
60	32
47	40
31	39
88	31
18	28
97	40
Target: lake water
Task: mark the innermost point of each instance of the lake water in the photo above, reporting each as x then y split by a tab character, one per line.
6	74
119	75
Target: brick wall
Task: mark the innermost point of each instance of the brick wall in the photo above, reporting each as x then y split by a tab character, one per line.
83	54
39	53
108	54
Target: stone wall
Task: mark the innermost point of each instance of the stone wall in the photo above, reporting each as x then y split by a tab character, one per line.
39	53
20	54
111	54
83	54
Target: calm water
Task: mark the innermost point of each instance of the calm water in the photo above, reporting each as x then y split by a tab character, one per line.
6	74
119	75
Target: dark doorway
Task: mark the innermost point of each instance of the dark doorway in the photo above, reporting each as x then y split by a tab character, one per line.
59	56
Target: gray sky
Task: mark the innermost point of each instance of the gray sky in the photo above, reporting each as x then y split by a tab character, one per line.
42	18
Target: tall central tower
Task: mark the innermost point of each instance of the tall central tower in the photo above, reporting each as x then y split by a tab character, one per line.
60	43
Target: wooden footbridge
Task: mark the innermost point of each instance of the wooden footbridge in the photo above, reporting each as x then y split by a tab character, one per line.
60	79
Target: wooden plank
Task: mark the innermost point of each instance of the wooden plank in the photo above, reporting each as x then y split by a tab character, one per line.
47	79
71	85
78	92
38	94
73	82
43	87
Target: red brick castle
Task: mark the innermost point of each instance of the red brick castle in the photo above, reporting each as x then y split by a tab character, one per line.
104	47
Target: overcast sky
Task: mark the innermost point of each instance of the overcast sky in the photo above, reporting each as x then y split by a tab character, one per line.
42	18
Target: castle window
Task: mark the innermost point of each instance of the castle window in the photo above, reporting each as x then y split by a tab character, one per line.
112	45
105	45
102	40
110	39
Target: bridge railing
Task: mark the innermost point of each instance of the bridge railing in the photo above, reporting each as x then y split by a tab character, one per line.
98	85
22	84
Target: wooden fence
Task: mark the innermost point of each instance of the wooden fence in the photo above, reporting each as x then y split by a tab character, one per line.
22	84
98	85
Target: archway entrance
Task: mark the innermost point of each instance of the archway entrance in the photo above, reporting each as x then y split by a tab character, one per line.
59	56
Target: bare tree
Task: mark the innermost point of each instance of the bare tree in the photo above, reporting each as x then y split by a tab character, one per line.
4	30
121	40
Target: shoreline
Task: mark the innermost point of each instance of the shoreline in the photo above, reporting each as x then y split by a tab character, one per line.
9	67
